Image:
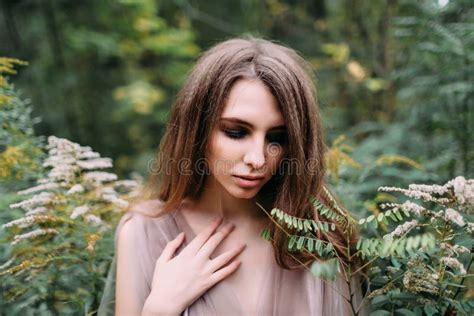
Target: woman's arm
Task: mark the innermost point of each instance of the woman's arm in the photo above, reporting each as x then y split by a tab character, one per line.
130	292
131	288
128	279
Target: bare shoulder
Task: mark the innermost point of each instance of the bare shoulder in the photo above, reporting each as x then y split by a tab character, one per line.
151	208
135	220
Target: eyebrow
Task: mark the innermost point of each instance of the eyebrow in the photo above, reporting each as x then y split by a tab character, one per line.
239	121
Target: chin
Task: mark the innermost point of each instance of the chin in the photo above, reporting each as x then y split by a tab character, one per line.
240	193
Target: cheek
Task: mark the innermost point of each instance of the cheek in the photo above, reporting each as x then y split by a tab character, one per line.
222	154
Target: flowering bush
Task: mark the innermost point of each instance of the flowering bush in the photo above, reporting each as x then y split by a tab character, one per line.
62	246
426	258
20	149
418	267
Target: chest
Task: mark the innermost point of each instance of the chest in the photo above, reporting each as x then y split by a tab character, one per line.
248	281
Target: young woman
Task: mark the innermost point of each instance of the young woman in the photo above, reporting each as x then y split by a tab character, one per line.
245	129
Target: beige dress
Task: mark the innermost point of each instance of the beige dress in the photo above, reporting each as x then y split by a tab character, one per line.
283	292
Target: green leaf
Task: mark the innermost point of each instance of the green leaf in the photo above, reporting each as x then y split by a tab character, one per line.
380	217
329	248
281	216
430	309
379	299
416	241
310	244
266	234
403	311
326	270
374	224
393	217
319	247
323	211
380	312
361	221
326	227
300	224
398	215
300	243
291	242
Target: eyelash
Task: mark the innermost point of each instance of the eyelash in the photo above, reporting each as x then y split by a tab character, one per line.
238	134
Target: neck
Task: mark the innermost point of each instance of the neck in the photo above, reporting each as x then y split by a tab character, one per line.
216	201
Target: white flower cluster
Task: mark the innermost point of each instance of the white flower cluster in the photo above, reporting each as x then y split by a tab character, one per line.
454	249
77	188
408	207
78	211
453	216
470	227
67	159
429	188
454	263
42	199
91	218
41	187
97	177
413	208
115	200
33	234
401	229
419	278
27	221
127	184
38	210
463	191
416	194
73	172
98	163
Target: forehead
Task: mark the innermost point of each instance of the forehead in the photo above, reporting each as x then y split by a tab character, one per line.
252	101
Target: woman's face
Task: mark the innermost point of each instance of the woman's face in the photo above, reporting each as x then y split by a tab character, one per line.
249	141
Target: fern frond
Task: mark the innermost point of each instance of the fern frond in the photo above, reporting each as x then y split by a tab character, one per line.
323	248
400	247
302	224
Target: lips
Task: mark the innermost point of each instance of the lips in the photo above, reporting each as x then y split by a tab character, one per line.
249	177
247	182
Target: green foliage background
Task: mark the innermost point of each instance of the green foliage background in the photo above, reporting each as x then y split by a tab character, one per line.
395	77
105	73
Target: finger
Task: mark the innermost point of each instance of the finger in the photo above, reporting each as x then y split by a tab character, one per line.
221	274
224	258
203	236
171	248
208	248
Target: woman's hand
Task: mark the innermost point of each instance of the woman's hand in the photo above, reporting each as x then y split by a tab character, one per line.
179	281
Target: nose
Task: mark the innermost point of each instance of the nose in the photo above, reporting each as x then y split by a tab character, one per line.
255	158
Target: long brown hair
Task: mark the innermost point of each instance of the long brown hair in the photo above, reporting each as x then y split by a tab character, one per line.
200	104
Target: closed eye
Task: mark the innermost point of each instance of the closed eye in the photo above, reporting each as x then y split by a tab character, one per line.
273	137
235	133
